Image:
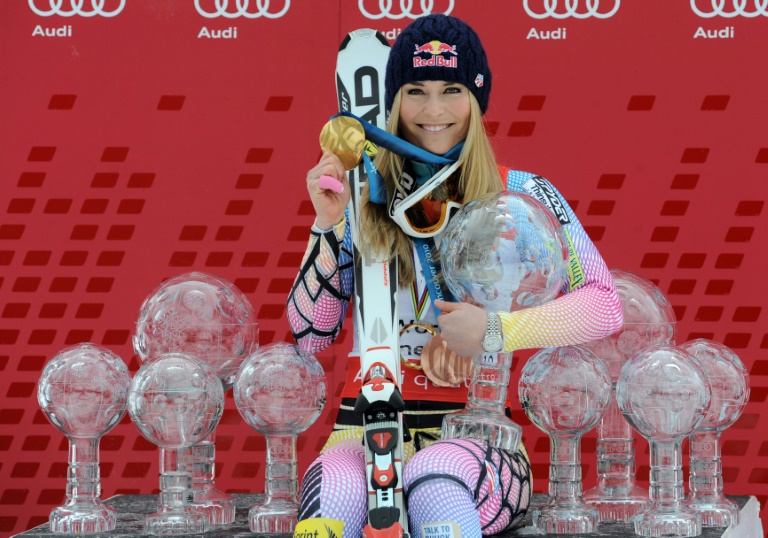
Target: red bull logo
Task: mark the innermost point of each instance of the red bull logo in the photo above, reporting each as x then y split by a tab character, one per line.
436	49
443	47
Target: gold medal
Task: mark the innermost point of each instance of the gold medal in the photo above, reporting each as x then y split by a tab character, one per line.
429	328
345	137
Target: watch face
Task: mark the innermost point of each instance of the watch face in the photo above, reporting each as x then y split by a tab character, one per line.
492	344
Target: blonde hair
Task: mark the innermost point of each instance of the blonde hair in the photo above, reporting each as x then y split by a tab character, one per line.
479	175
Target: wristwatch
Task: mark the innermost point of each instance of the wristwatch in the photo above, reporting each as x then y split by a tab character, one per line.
494	340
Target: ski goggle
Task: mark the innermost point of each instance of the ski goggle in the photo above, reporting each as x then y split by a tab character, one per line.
426	211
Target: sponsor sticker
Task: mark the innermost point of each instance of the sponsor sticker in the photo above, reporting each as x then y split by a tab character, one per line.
541	189
575	270
319	527
440	529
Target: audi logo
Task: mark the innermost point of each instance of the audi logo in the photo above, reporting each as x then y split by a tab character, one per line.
75	7
240	8
736	8
570	8
406	9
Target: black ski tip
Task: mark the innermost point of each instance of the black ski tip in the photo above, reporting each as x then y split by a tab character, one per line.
345	42
382	38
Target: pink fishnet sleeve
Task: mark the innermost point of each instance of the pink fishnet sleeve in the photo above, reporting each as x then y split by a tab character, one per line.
563	321
319	297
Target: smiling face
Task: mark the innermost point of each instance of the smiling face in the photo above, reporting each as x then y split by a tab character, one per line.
434	114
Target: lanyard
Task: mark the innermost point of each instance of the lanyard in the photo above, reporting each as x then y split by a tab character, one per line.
429	256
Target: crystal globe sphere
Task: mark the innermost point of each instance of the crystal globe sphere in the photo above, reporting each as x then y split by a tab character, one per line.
280	388
200	314
663	393
564	390
83	390
504	252
175	400
728	378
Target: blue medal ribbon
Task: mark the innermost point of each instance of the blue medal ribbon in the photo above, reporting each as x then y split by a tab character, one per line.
398	146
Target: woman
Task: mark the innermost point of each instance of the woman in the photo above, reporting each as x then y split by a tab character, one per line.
437	106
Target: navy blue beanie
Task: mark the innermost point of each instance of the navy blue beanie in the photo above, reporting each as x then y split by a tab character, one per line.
439	47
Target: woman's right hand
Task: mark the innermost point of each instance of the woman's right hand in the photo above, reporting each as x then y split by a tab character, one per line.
329	205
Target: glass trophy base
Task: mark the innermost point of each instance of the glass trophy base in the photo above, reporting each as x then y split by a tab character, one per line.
217	506
273	517
616	505
667	523
716	513
568	519
83	518
177	522
495	428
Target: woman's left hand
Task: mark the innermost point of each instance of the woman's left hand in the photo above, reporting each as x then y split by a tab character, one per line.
462	326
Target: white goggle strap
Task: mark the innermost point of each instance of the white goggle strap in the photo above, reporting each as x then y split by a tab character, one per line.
397	209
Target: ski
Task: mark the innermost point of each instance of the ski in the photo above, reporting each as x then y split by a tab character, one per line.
360	69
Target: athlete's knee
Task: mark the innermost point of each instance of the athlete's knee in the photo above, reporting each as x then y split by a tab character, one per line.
334	487
489	488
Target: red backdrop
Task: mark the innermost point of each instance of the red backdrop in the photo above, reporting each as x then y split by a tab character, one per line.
135	148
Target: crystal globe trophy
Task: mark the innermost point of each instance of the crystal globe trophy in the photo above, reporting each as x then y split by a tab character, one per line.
175	401
730	392
279	391
565	391
502	252
648	320
664	394
210	318
83	391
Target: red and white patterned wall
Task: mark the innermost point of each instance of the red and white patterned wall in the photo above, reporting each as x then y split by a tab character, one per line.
141	140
